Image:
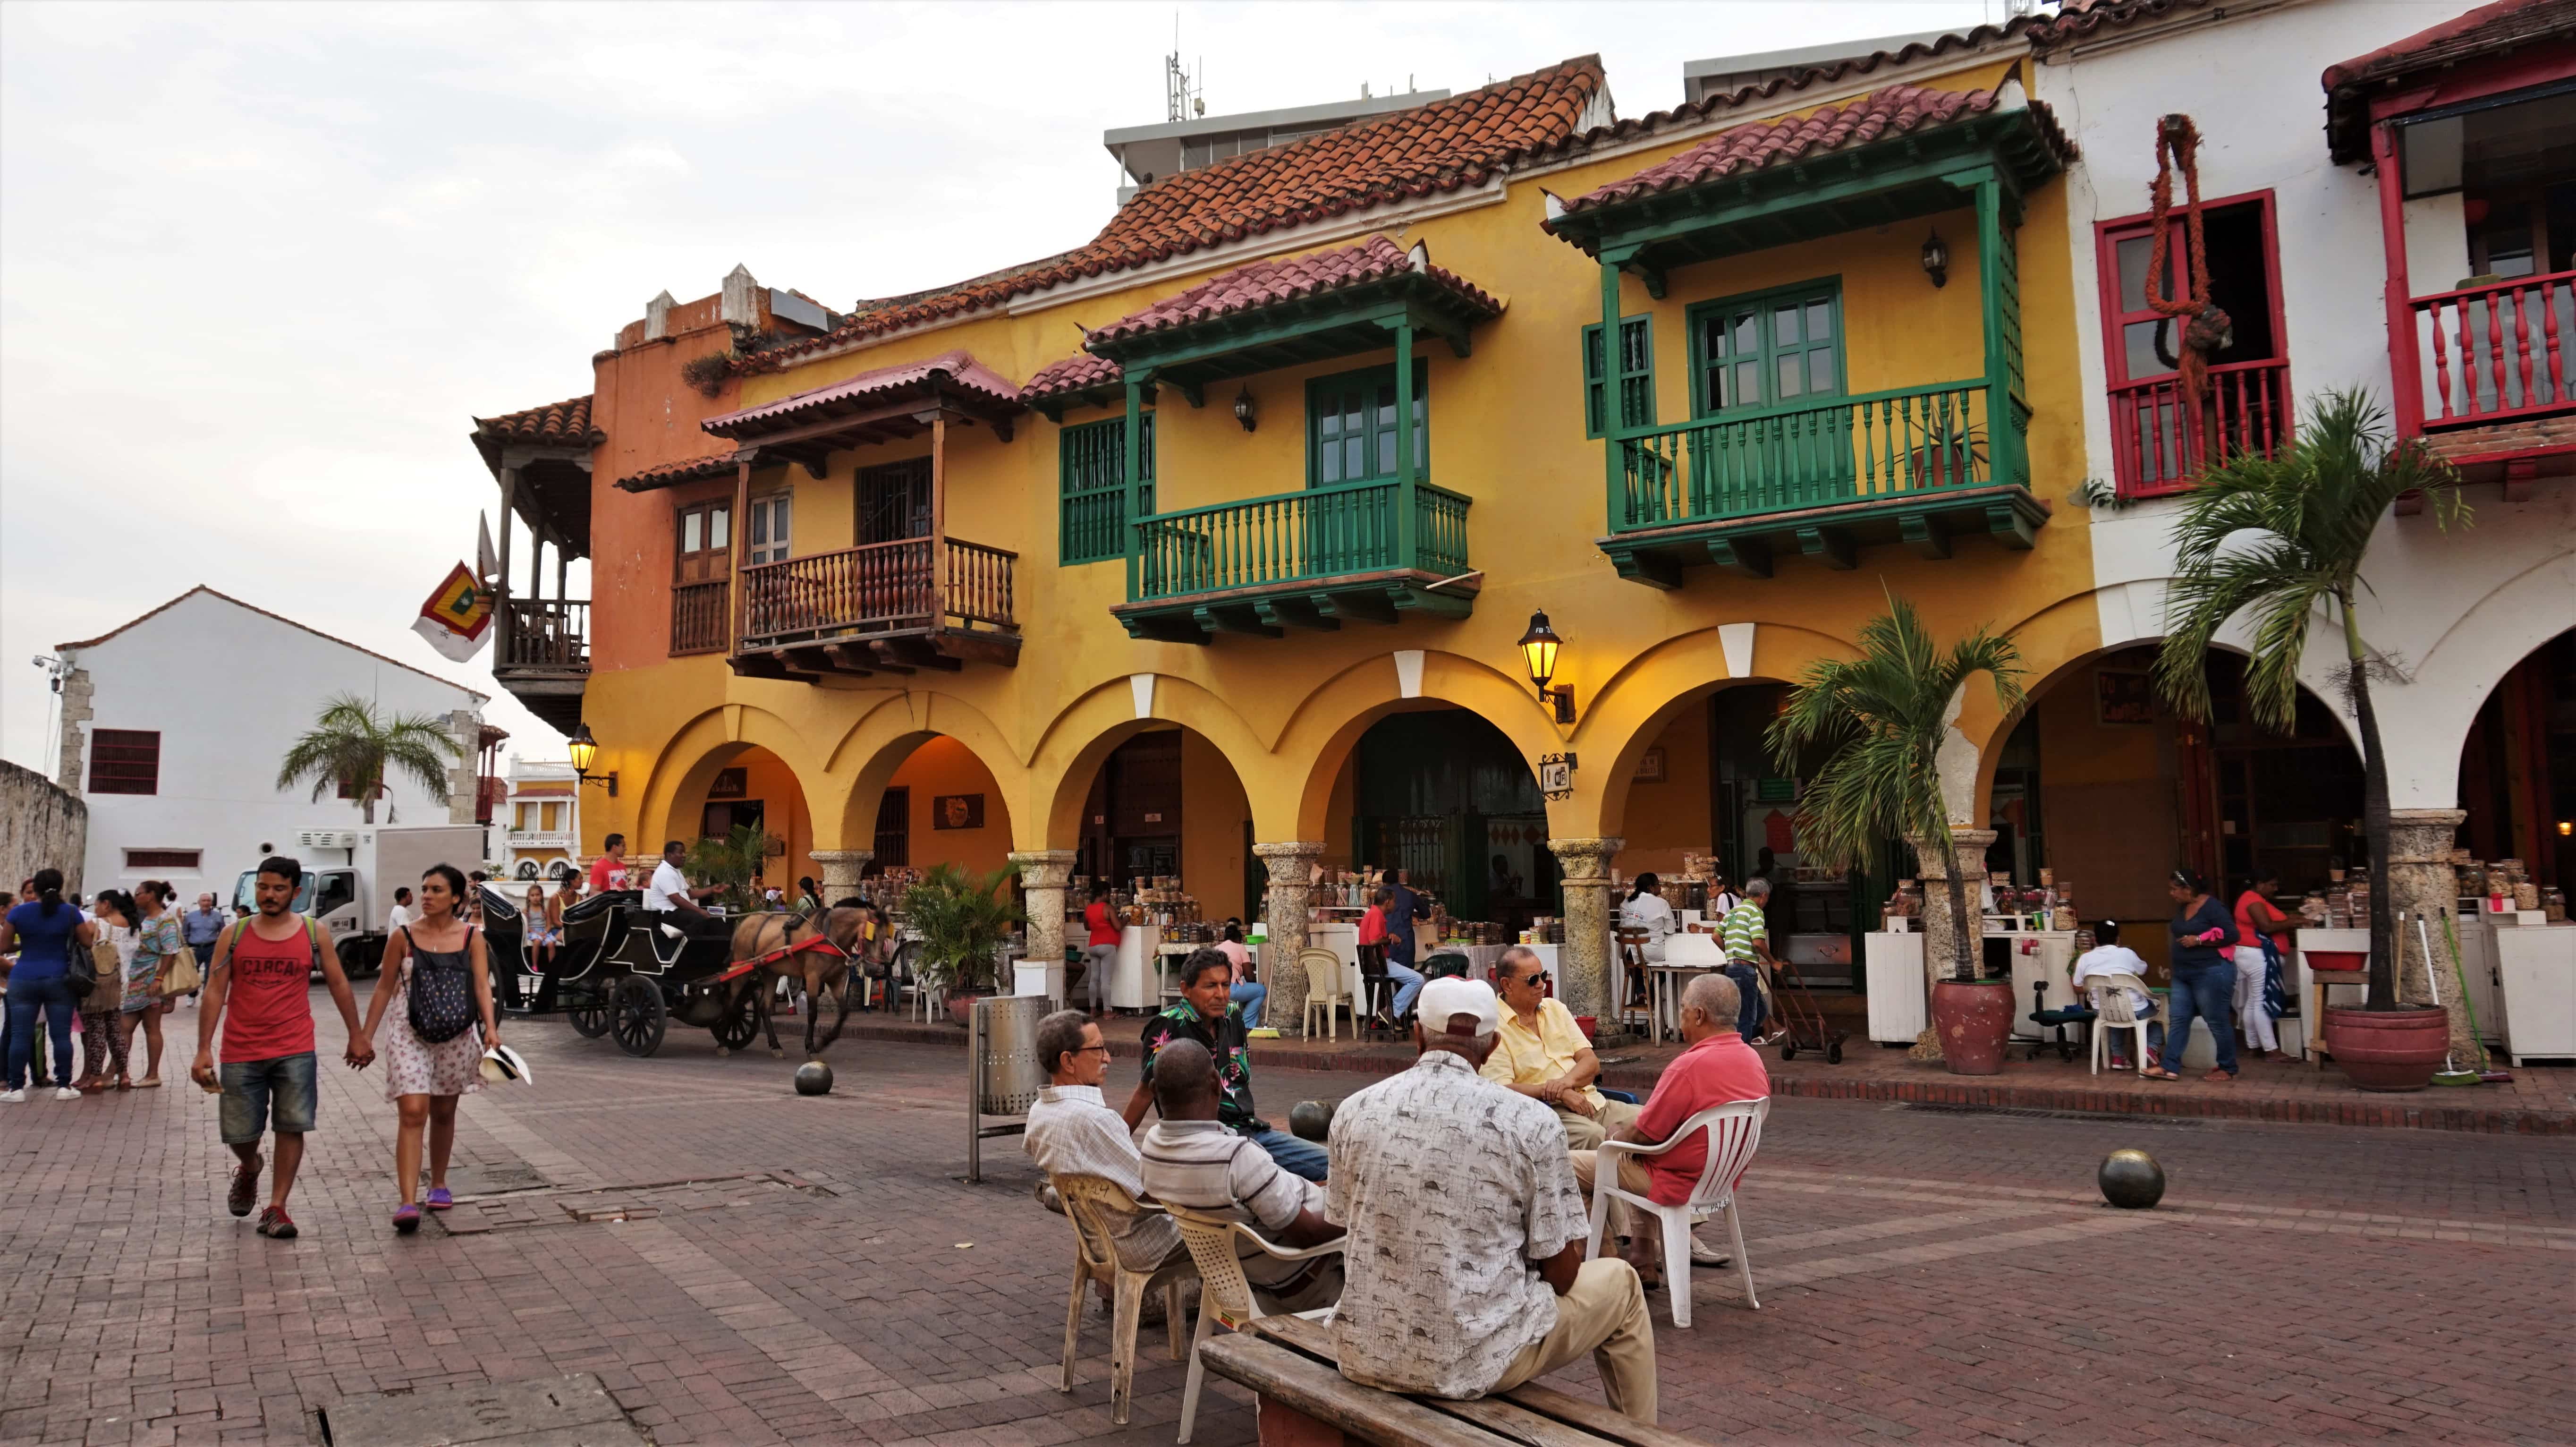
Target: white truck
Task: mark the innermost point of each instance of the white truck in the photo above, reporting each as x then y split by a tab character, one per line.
350	876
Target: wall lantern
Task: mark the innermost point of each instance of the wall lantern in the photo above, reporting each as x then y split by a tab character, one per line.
1538	649
583	749
1243	408
1936	260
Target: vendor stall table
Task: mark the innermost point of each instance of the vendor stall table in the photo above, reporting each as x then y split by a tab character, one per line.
2334	944
2537	961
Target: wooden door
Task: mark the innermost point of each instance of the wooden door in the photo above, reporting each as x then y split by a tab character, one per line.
705	543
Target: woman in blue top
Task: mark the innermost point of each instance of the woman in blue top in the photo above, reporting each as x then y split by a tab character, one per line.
2204	977
45	933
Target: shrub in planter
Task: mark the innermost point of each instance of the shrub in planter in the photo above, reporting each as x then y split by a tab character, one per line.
964	918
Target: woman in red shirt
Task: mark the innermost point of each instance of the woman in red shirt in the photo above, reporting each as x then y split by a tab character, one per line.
2263	935
1101	950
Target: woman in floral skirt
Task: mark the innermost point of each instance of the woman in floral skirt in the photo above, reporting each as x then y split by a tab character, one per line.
157	943
424	1078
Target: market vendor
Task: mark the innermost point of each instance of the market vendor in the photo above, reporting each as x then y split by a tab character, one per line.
1207	1014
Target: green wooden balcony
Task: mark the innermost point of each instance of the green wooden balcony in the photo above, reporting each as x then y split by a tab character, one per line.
1918	465
1366	551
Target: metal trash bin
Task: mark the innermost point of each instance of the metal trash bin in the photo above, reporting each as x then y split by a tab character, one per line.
1003	1072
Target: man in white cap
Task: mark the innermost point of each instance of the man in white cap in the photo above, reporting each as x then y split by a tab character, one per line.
1466	1230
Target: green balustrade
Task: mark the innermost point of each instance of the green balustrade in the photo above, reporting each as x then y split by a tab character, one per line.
1312	535
1742	463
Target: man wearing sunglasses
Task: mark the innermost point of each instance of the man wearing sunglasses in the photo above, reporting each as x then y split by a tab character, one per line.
1541	1053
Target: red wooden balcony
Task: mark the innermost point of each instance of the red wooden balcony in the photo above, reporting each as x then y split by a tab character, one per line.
881	607
2158	443
701	617
2497	352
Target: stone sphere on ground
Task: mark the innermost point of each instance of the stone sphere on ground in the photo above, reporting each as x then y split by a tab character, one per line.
2131	1179
813	1078
1310	1120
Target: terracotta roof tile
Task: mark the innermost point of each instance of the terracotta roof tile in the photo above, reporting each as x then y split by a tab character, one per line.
672	474
558	424
2487	30
1442	146
957	368
1080	372
1271	281
1894	111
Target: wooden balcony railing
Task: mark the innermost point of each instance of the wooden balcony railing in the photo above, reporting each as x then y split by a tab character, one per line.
2497	352
547	635
2159	446
875	588
1745	463
701	617
1296	537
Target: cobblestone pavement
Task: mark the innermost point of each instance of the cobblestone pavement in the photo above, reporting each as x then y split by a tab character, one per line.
742	1265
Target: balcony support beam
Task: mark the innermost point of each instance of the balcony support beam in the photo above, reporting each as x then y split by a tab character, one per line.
1924	534
1745	557
2011	526
1830	546
1358	607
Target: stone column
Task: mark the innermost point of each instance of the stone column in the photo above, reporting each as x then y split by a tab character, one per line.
1292	873
1971	844
841	868
1043	873
2421	881
1583	966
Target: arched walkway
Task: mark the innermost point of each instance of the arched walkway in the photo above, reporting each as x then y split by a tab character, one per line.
730	767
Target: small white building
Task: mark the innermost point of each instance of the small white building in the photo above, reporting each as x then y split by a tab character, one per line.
537	832
173	726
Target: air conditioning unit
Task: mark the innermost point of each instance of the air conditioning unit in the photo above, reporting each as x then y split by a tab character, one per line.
327	839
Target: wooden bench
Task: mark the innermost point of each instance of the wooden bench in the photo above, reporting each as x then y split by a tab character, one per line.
1289	1363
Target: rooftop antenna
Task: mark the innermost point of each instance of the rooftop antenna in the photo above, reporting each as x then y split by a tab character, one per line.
1181	99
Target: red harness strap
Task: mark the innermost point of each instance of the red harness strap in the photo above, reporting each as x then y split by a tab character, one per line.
744	967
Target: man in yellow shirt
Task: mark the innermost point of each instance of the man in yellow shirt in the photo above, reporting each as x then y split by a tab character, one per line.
1540	1052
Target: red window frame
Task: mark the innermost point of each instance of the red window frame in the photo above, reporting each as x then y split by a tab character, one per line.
2250	394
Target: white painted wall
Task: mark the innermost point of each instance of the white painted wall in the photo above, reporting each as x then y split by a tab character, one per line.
230	688
2454	612
565	843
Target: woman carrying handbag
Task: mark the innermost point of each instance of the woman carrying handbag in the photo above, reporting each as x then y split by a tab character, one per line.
158	943
45	982
433	1054
102	1011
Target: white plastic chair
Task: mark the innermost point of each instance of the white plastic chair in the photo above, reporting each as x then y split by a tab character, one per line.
1225	1294
1087	1200
1734	1134
1326	990
2112	1010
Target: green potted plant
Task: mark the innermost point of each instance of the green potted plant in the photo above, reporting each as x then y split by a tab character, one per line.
963	918
730	861
1883	716
2274	540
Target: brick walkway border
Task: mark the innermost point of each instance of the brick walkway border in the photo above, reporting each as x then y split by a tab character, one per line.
2343	1106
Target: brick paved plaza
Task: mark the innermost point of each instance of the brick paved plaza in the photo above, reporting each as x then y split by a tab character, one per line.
814	1270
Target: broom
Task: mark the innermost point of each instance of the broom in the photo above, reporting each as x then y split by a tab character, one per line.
2487	1070
2450	1073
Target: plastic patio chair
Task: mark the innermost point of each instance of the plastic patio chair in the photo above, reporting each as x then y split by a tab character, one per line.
1087	1200
1225	1294
2113	1011
1734	1134
1324	991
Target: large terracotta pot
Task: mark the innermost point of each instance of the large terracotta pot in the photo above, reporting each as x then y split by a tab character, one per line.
961	1004
2388	1049
1974	1021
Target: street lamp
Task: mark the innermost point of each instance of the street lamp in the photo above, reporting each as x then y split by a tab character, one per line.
583	749
1538	649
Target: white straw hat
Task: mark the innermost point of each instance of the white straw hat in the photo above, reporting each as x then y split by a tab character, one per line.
503	1066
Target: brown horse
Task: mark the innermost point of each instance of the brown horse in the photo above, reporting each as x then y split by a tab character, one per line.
823	971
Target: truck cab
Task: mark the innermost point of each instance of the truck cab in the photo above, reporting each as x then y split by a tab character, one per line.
350	876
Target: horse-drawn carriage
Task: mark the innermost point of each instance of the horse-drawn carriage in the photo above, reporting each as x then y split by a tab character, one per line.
618	970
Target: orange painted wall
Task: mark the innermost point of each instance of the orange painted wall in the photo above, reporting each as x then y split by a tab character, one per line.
941	767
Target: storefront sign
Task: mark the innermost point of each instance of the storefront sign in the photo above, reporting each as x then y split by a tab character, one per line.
1556	775
957	811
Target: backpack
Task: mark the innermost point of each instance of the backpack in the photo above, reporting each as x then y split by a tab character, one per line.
441	994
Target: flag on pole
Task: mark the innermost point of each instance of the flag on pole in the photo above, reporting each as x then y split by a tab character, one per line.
457	619
486	567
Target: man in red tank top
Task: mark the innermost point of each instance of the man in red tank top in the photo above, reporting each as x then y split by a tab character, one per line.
259	991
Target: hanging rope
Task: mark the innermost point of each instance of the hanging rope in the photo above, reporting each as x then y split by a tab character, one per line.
2208	329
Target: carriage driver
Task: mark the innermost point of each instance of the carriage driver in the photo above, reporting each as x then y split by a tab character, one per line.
669	893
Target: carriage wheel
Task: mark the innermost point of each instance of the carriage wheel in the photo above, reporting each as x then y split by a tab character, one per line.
590	1017
735	1030
639	1016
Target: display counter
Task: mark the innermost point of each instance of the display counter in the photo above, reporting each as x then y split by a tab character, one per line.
1899	992
2536	962
1132	982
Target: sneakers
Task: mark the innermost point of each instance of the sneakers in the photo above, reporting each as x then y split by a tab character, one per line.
65	1092
406	1219
1703	1254
439	1199
245	1191
276	1224
13	1097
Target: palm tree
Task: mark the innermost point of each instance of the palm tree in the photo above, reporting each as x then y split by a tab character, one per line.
730	860
351	746
1886	713
2273	539
964	918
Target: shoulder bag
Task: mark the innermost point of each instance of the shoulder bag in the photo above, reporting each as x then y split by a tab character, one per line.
81	967
179	973
440	993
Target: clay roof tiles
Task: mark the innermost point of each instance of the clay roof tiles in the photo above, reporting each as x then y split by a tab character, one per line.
958	369
1894	111
2486	30
672	474
1274	280
1080	372
557	424
1442	146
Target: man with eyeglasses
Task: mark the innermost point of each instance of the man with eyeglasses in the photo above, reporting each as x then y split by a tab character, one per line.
1541	1053
1073	1132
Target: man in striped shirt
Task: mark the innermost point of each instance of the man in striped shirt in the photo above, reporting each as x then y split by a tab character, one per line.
1193	1161
1747	937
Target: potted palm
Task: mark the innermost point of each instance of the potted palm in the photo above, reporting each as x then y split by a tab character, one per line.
1883	716
729	861
2274	540
963	918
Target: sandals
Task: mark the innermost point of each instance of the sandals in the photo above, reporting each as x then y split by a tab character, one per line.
406	1219
439	1199
245	1191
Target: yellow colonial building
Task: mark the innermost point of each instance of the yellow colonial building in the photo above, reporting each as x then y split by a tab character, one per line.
1208	549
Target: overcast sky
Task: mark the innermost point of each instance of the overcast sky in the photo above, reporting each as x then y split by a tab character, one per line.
259	265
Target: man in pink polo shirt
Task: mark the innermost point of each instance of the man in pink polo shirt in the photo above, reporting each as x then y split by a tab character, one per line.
1718	1067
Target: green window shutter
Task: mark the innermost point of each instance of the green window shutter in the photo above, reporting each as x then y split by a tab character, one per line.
1768	347
1350	426
1636	374
1091	470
